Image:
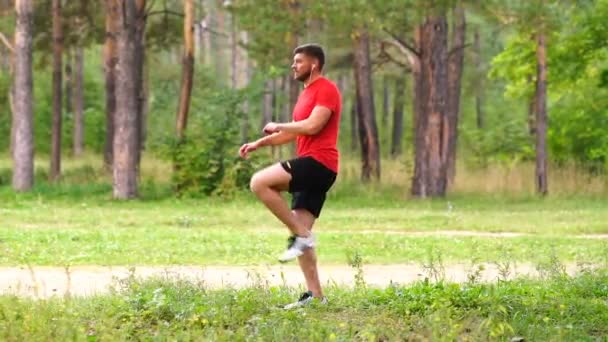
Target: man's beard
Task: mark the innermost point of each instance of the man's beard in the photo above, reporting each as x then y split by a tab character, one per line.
304	77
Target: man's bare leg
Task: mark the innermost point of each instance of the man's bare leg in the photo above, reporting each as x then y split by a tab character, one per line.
267	184
308	260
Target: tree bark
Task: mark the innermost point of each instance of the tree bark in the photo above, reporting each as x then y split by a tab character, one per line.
541	116
140	61
431	96
479	80
55	167
368	131
246	79
110	61
187	69
267	105
455	64
234	58
532	107
385	100
68	82
398	104
126	138
22	124
79	103
354	130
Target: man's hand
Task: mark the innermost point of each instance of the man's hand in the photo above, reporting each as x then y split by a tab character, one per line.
271	127
248	147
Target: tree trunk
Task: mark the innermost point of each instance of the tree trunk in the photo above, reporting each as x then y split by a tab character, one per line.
68	82
110	61
267	104
478	79
218	48
532	108
79	103
187	69
55	171
140	61
354	130
431	85
22	123
234	58
368	131
385	100
206	43
126	139
398	104
246	79
541	116
455	64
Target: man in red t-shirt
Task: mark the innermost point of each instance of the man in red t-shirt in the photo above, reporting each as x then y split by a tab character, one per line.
311	174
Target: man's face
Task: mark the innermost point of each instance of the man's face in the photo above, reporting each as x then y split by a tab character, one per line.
302	67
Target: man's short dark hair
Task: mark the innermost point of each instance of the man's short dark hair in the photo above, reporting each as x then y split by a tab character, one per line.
312	50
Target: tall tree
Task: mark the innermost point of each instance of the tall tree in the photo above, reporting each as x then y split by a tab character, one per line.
126	134
78	102
478	79
187	69
368	131
385	100
55	171
140	62
292	37
353	124
455	64
541	114
23	127
431	85
68	81
110	61
398	104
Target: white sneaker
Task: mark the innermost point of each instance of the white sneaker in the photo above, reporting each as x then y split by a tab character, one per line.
305	299
296	245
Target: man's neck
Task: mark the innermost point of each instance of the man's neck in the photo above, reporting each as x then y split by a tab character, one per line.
311	80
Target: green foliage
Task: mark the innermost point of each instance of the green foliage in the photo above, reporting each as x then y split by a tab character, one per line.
506	142
577	98
207	160
567	308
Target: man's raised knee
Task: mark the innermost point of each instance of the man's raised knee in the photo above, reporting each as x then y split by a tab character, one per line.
256	184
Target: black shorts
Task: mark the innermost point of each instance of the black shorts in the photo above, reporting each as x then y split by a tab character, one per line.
310	181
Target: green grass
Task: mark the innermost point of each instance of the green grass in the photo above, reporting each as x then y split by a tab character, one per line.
85	227
76	222
556	308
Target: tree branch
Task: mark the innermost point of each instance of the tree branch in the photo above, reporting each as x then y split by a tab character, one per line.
166	11
403	44
150	6
384	56
457	48
6	43
412	57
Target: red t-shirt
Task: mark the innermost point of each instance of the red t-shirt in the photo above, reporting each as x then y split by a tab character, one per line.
323	145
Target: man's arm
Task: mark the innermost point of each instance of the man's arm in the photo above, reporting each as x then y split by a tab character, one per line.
278	138
310	126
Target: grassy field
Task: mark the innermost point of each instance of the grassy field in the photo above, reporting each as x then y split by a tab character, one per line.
40	231
556	308
76	222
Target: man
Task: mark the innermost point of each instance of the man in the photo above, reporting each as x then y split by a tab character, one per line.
309	176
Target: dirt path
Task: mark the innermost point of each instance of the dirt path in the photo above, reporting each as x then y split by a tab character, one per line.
44	282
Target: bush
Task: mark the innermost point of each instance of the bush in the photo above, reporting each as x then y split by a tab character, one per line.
207	161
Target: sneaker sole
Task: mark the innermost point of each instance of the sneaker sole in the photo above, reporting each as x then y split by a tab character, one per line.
290	259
